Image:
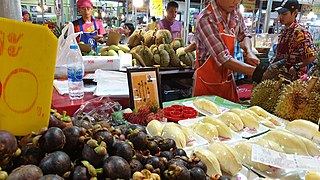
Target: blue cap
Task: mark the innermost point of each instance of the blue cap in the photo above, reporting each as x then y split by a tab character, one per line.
73	46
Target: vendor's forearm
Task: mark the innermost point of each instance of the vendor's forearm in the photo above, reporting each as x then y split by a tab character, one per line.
246	45
307	61
239	67
190	48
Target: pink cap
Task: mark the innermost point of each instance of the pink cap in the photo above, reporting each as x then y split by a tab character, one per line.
84	3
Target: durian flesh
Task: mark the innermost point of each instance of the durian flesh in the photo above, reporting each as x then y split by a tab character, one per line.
296	103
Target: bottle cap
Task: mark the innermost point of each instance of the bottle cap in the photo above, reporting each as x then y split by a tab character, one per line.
73	46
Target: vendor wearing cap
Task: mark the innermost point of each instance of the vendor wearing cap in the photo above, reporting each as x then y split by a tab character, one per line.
25	16
295	43
92	29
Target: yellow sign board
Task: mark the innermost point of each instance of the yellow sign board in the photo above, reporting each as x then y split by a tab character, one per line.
27	65
249	5
156	8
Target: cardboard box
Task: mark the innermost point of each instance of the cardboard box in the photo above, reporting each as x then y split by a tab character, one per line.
92	63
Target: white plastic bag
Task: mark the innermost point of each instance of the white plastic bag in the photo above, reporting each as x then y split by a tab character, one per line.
63	48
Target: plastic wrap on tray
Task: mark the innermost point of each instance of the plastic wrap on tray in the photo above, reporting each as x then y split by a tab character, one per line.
97	109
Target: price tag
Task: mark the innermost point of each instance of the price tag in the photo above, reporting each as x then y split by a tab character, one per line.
284	161
27	64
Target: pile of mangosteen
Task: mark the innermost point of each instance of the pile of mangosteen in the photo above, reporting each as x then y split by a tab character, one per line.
84	150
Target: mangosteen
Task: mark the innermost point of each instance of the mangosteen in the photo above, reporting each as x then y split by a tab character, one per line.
30	154
51	177
167	154
106	136
156	162
138	139
178	161
179	152
57	162
166	144
139	127
94	155
52	140
176	172
198	163
8	147
153	147
135	165
83	123
122	149
80	173
58	120
23	172
197	174
73	143
116	167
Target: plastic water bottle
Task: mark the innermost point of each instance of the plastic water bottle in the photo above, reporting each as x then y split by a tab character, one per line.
75	73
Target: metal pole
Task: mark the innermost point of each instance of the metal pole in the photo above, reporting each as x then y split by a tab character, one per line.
201	5
42	11
186	21
260	13
62	13
267	18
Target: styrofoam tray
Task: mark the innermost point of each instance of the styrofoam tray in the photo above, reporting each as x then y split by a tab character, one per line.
190	104
189	122
199	141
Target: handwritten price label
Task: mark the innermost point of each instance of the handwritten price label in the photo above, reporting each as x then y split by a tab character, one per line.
27	63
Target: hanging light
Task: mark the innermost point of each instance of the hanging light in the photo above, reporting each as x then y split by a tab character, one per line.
138	3
38	8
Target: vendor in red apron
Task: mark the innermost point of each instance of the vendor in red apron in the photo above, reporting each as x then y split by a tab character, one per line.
218	25
92	29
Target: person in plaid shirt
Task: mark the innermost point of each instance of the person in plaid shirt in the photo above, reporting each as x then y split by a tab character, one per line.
217	27
295	43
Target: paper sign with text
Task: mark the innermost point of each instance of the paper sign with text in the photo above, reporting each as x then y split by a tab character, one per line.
284	161
156	8
27	64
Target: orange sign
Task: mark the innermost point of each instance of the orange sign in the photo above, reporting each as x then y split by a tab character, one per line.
27	64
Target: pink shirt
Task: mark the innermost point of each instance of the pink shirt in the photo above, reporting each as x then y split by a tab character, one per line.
174	27
208	38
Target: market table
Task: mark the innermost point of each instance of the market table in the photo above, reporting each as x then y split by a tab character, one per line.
63	103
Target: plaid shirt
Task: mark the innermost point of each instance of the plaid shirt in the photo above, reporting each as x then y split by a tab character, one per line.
208	38
295	43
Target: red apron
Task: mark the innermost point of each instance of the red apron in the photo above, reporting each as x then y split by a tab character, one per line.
210	79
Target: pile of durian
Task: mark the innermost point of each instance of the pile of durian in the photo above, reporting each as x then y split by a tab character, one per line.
295	100
156	47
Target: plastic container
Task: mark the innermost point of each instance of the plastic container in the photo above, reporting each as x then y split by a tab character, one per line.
75	69
178	112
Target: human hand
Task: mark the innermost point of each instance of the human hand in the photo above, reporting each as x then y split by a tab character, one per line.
265	70
99	38
295	74
251	58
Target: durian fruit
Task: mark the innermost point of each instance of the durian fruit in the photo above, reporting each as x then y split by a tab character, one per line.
146	54
163	33
266	94
136	38
298	101
149	37
177	43
164	58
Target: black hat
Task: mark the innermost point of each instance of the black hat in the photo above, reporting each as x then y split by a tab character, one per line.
287	5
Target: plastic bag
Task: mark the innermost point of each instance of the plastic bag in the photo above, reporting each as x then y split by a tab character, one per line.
64	47
97	109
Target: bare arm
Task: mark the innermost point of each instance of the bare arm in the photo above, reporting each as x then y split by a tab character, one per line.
250	57
190	48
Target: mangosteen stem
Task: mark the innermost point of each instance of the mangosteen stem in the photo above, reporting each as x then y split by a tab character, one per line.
101	151
312	83
92	171
3	175
92	143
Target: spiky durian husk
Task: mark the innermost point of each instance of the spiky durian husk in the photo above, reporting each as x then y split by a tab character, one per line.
265	96
296	103
315	70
